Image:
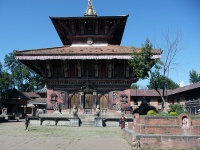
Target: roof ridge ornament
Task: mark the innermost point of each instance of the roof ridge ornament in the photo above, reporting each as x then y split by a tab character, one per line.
90	12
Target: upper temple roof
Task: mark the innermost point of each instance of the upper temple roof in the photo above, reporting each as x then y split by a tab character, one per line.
90	30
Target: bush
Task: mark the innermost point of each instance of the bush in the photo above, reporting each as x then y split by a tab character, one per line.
176	108
151	112
173	113
143	110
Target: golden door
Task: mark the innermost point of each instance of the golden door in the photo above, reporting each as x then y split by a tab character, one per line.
73	101
88	100
103	102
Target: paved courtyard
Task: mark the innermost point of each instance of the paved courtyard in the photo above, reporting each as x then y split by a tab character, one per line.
14	137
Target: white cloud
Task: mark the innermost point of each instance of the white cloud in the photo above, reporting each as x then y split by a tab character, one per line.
181	84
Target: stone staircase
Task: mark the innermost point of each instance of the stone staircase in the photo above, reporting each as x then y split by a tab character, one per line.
87	120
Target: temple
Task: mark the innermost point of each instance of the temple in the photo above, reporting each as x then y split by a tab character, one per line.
89	65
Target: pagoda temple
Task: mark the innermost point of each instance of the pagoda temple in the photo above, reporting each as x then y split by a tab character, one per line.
89	65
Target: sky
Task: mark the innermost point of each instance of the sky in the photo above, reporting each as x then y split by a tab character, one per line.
26	25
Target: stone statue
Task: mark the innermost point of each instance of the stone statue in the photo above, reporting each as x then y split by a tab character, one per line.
98	111
39	111
135	143
185	123
75	111
4	111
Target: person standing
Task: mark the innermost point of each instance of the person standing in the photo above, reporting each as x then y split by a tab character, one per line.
122	121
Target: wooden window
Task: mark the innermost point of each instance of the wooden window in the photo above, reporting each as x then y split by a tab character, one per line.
135	101
148	101
178	100
159	101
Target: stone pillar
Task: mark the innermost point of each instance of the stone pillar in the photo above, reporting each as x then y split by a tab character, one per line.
94	99
81	99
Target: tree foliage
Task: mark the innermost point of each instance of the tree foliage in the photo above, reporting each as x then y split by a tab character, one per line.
5	80
21	76
142	61
134	86
142	64
178	108
158	82
194	76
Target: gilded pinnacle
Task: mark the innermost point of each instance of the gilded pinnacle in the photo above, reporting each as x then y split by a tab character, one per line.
90	10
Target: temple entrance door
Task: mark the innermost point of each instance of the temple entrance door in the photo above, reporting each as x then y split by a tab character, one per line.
73	101
103	103
88	103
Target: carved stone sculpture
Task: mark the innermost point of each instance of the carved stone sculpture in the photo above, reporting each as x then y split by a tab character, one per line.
4	111
75	111
98	111
135	143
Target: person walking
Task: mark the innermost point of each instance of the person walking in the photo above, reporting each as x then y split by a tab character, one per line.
26	122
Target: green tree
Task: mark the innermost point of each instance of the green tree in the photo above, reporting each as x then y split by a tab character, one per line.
5	84
22	77
158	81
134	86
5	80
194	76
142	64
142	61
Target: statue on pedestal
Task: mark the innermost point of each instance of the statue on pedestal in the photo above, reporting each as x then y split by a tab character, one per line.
75	111
98	111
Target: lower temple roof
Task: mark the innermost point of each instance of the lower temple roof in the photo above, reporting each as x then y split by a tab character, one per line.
82	52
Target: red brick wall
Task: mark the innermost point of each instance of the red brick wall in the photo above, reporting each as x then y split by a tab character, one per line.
166	143
165	132
195	121
165	125
160	121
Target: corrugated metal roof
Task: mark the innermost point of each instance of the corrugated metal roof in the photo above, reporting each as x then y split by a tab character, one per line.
32	94
38	101
14	94
186	88
148	93
43	90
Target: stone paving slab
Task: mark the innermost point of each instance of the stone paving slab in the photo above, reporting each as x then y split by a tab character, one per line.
13	136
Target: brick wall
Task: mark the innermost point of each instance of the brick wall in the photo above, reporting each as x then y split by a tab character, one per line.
195	121
164	132
166	125
160	120
169	142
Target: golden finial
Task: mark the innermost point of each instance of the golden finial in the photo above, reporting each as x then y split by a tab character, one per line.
90	10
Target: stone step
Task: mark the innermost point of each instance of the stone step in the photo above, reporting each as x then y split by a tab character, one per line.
87	123
83	116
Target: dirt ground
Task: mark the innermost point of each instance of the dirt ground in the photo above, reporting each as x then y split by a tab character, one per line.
13	136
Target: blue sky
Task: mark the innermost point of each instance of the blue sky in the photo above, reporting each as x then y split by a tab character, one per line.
26	25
